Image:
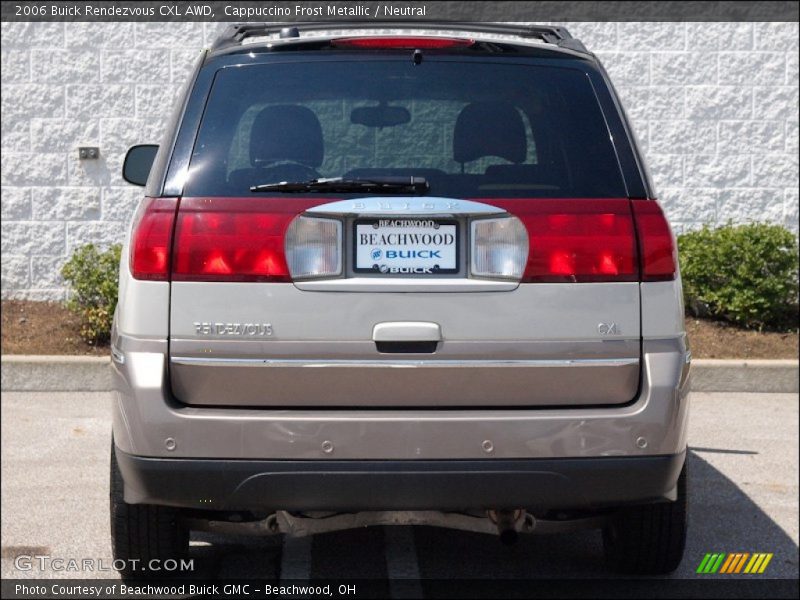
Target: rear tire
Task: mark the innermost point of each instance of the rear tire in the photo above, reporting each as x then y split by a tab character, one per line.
648	539
143	532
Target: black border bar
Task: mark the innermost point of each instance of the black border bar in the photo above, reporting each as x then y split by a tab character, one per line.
656	587
290	11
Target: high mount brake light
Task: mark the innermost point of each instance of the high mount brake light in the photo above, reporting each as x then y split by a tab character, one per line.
412	43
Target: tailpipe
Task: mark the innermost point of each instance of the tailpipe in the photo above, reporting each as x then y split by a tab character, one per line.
509	537
508	521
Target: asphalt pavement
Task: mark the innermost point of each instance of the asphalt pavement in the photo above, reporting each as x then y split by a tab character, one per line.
743	482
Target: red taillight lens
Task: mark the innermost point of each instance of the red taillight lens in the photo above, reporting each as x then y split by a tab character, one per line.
151	239
233	239
656	244
421	43
595	240
577	240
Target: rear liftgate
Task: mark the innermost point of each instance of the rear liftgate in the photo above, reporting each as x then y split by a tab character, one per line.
403	302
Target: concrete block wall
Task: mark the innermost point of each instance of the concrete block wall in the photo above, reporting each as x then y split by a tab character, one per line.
715	106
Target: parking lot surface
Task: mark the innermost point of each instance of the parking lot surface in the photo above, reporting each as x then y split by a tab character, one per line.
743	485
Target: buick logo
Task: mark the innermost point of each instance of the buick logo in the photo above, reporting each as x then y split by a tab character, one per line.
376	254
383	269
405	206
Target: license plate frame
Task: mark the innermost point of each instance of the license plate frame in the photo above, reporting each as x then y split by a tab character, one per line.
415	225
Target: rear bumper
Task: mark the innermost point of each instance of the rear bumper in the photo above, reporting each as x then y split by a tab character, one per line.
149	422
358	485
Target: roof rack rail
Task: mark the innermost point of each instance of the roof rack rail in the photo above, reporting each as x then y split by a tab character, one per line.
235	34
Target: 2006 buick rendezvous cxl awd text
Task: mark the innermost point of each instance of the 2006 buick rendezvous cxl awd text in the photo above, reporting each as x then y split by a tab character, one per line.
393	272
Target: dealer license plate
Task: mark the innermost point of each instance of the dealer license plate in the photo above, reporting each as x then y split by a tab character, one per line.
397	246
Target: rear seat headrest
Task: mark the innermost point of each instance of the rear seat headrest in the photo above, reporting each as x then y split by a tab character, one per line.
489	129
286	132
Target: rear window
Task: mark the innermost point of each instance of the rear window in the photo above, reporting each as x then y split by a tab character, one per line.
472	129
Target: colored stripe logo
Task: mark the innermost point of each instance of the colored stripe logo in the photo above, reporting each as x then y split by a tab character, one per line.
734	563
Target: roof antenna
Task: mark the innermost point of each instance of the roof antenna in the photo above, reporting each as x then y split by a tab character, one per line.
417	58
289	32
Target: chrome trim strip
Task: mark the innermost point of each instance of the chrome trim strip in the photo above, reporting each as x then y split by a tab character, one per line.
403	284
405	205
401	364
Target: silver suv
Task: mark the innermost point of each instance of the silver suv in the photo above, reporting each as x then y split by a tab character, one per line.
402	272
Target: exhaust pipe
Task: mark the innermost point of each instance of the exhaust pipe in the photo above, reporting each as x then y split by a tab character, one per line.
509	537
506	521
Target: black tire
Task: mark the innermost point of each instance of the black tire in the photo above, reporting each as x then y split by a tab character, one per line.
648	539
143	532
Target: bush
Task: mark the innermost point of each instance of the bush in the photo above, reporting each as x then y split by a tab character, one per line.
744	274
92	275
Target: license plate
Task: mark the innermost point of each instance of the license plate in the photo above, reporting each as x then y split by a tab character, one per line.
406	246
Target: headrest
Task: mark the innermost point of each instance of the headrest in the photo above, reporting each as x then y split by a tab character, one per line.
286	132
489	129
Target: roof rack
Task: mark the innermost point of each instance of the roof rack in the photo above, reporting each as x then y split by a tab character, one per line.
235	34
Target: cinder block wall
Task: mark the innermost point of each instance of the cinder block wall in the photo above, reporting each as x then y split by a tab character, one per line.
715	106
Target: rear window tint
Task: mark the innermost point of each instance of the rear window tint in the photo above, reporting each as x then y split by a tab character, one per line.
473	129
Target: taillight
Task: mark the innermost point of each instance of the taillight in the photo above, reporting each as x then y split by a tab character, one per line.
314	248
421	43
151	239
499	248
233	239
656	245
578	240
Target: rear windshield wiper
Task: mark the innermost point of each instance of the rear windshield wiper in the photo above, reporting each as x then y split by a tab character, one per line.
379	185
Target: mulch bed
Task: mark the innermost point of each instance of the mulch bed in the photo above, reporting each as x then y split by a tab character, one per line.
43	328
49	328
714	339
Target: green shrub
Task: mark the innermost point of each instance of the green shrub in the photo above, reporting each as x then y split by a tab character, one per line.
92	275
744	274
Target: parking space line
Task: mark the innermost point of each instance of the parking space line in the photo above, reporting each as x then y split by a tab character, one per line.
402	566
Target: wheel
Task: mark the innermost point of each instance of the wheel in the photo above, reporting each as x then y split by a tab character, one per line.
648	539
141	533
